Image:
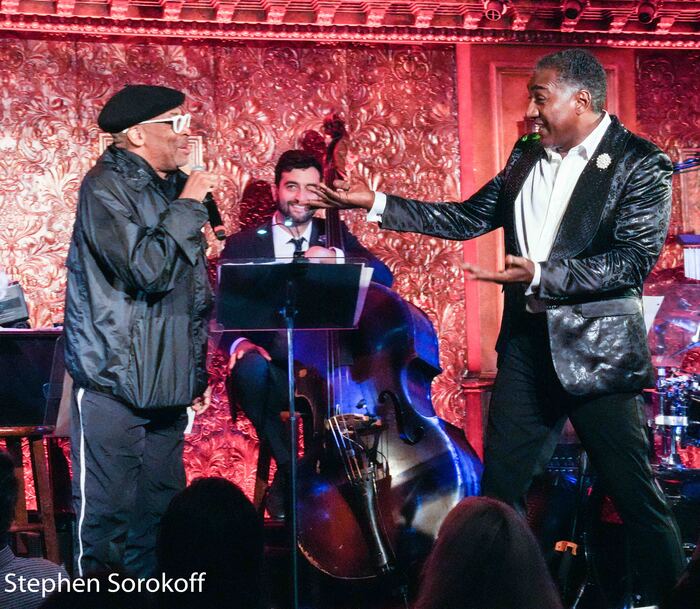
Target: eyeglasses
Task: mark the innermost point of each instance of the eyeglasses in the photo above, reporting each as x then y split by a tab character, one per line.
180	122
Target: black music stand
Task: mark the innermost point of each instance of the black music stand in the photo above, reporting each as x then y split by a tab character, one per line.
291	296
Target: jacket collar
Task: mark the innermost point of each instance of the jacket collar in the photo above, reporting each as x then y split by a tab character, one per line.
584	208
136	170
522	167
584	211
264	242
317	237
264	246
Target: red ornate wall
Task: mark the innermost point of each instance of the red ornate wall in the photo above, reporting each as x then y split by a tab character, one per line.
668	110
668	113
250	103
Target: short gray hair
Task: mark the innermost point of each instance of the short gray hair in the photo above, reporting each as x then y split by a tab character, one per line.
581	69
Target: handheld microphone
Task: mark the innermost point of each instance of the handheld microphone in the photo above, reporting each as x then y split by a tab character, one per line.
217	224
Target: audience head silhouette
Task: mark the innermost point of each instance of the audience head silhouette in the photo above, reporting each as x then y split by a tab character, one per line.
486	557
14	568
212	527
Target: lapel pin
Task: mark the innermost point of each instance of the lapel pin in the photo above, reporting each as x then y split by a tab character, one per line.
603	161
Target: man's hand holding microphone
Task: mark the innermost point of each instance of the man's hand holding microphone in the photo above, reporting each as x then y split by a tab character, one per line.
199	185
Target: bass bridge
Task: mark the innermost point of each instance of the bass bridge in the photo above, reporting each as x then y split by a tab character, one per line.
357	438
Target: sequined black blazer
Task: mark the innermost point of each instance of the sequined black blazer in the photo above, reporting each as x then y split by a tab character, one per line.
609	239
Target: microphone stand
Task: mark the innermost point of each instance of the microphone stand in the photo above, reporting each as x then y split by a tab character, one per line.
289	312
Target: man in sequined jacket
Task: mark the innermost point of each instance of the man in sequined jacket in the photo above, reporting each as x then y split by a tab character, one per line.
585	209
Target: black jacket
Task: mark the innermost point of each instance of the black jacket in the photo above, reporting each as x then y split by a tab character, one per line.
138	294
258	243
609	239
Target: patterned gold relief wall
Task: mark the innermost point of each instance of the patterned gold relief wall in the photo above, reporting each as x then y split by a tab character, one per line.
250	103
668	113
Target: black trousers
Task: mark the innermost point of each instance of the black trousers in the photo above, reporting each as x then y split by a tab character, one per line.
259	388
527	412
127	466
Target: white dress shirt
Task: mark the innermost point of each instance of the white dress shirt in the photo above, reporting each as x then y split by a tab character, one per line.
541	203
281	237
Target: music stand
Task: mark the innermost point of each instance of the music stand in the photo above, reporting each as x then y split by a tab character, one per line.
290	296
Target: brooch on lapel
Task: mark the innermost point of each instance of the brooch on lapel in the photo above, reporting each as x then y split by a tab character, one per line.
603	161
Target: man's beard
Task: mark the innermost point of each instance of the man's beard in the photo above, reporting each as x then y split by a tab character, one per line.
290	220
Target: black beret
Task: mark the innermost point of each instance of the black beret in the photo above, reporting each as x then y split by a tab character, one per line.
137	103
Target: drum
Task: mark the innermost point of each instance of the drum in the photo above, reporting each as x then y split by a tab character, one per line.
675	419
693	409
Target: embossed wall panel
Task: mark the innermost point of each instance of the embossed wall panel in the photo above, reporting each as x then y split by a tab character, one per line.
668	110
251	102
403	124
40	164
668	102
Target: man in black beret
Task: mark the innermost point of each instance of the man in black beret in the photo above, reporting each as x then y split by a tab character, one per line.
137	301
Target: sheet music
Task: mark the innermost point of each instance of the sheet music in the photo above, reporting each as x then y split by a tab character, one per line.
365	279
652	304
190	420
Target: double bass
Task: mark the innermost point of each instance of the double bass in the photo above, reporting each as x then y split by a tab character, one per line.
381	471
